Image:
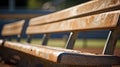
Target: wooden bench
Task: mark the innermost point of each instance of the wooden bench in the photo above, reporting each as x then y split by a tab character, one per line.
10	30
90	16
13	29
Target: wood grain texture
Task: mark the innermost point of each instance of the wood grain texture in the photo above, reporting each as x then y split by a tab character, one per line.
64	56
100	21
13	28
85	8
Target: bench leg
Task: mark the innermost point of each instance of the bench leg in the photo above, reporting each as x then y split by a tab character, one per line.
18	38
45	39
71	40
29	39
111	42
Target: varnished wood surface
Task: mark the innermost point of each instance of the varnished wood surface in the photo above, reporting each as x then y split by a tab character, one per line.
64	56
85	9
100	21
14	28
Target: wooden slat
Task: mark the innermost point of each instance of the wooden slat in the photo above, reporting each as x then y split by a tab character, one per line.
64	56
99	21
88	8
13	28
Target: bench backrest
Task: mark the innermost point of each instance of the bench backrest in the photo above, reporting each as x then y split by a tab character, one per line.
100	21
85	9
13	29
61	18
93	15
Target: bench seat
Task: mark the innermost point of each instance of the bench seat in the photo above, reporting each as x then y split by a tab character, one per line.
64	56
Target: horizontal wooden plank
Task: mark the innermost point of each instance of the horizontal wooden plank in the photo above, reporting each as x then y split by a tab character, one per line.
88	8
99	21
64	56
13	28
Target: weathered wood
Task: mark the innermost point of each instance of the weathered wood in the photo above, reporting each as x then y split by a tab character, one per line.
84	9
100	21
64	56
26	60
13	28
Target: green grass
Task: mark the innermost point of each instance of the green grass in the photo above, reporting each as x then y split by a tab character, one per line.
80	43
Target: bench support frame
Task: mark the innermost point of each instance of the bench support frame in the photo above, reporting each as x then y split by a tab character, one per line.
112	41
45	39
71	40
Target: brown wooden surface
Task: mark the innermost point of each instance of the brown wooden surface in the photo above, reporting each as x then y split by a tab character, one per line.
99	21
64	56
79	10
13	28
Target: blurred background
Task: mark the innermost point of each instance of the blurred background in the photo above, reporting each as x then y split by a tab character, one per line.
52	5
